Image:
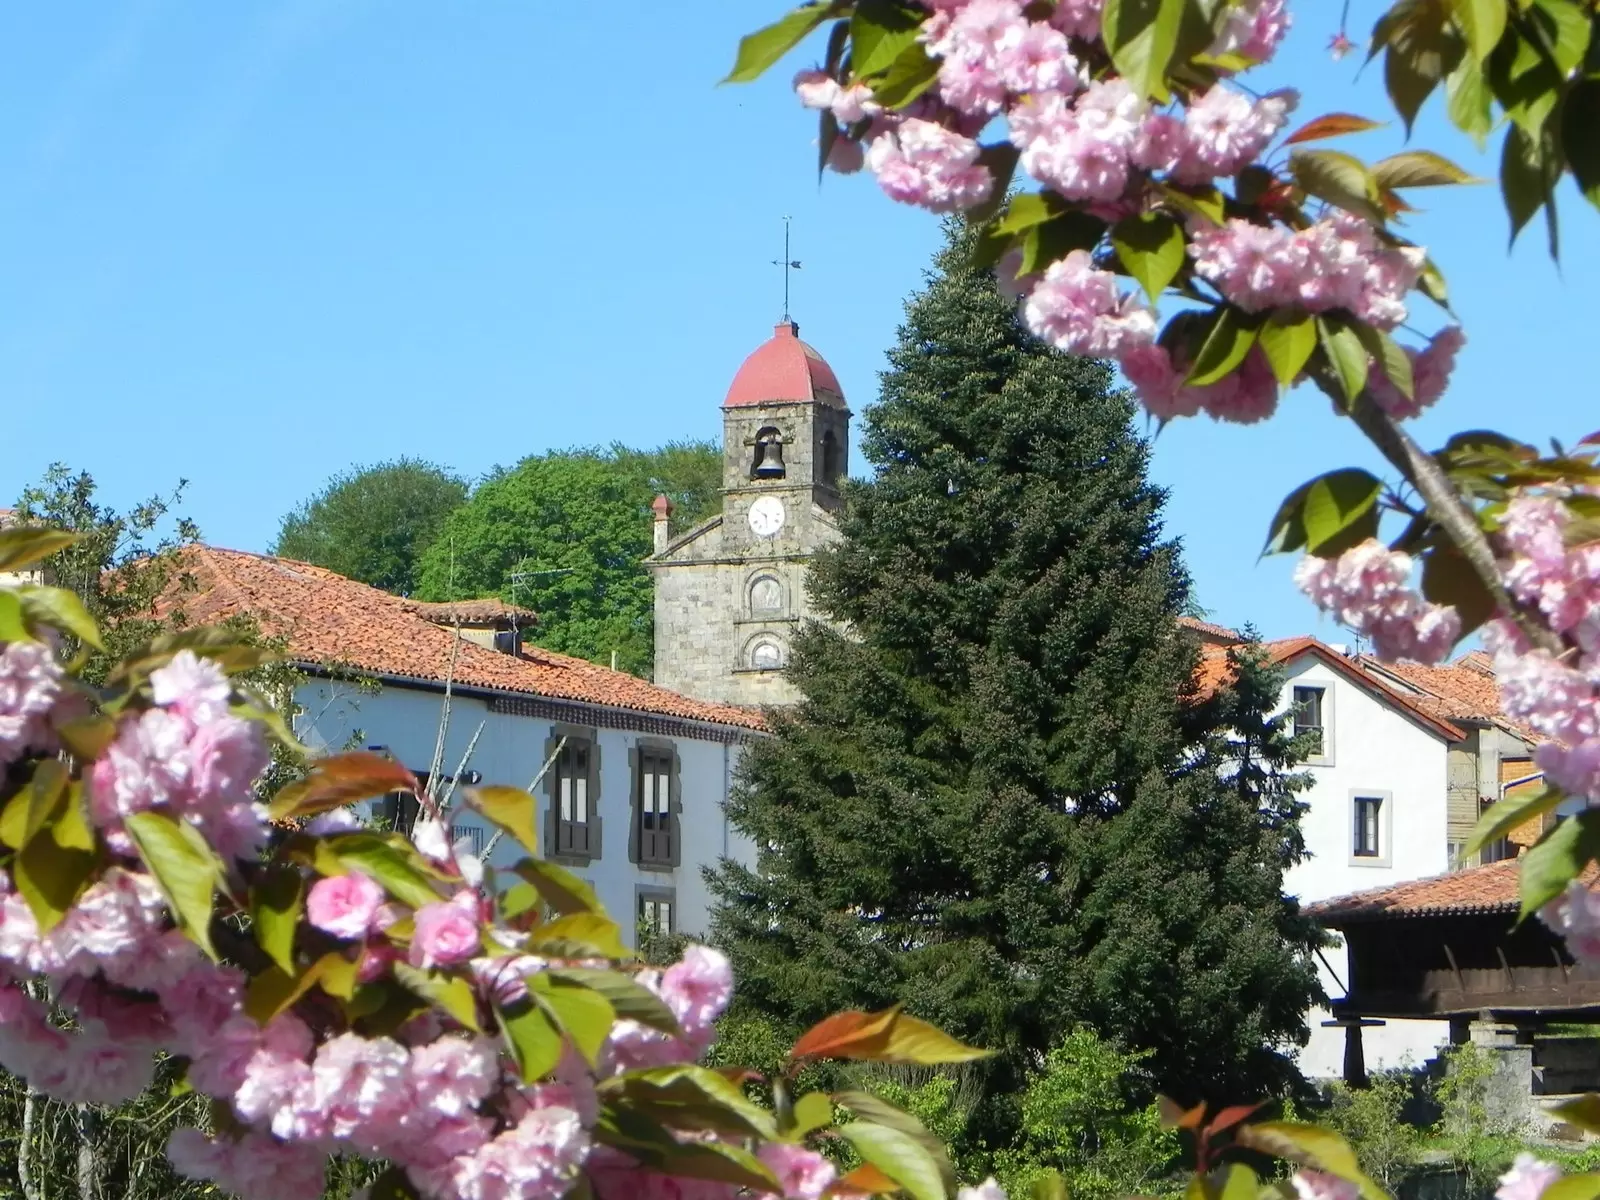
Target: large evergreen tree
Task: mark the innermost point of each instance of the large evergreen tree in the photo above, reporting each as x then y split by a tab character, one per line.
1001	800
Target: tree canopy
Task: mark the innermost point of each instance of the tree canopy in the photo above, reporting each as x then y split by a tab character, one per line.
374	523
1000	801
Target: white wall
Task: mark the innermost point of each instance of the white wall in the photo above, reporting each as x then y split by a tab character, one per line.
511	751
1373	748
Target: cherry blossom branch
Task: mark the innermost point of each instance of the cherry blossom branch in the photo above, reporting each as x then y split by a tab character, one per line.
1447	508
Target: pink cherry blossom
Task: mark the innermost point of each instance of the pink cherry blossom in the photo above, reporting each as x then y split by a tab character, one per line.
989	50
1078	18
1319	1185
1248	394
1430	375
1081	146
987	1190
697	988
1253	29
536	1159
358	1082
451	1075
192	687
1575	915
1367	589
1225	131
101	1069
802	1174
255	1167
1527	1179
1076	308
344	905
925	164
446	932
30	687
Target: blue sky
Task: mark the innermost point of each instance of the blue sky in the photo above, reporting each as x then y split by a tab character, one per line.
251	244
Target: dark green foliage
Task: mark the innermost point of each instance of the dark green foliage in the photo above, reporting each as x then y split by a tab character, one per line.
565	534
374	523
1000	801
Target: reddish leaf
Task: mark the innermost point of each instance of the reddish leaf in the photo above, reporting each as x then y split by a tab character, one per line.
1592	440
1174	1117
845	1034
1331	125
1229	1117
340	780
889	1036
865	1180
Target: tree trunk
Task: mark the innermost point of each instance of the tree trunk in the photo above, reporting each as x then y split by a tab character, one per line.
89	1172
30	1186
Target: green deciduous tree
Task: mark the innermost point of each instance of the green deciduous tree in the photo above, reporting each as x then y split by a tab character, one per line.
566	534
374	523
1000	801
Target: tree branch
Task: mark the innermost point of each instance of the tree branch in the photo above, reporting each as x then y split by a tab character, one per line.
1448	510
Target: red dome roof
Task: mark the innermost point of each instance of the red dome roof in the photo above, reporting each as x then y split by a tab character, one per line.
784	368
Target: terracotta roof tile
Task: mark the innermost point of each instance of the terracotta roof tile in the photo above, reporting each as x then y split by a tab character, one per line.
1210	632
1464	690
1486	889
489	611
330	620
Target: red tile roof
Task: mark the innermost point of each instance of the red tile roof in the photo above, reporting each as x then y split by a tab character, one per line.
333	621
784	368
1464	690
1210	632
1487	889
471	612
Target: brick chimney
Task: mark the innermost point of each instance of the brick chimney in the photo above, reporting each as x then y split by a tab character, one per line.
662	507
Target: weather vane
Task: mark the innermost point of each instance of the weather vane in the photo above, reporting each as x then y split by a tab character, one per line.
788	264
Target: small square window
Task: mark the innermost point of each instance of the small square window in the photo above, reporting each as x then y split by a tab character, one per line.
1308	719
1368	827
657	912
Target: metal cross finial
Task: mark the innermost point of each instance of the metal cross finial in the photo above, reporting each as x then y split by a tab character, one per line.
788	264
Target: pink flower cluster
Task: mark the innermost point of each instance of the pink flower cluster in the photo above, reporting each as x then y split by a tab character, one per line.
988	51
920	162
1248	395
1220	133
1430	375
30	689
1320	1185
1575	915
1559	698
1527	1179
1252	30
696	989
1367	588
1076	307
188	756
1336	263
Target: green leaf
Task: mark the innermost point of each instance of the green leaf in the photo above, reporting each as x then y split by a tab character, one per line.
1432	285
1567	30
1336	506
22	546
1141	36
1467	93
1205	202
1528	172
1313	1146
877	1111
561	889
1419	168
579	935
759	50
1239	1182
1525	82
1512	813
60	609
276	904
1152	250
1340	179
1288	340
1582	1111
449	992
1423	48
1557	859
1392	360
910	75
880	31
13	626
899	1156
1345	353
691	1097
386	858
1573	1187
629	998
533	1039
1058	237
1481	22
51	877
812	1111
1027	209
1049	1186
184	865
1580	121
1447	578
583	1014
35	807
510	808
1229	340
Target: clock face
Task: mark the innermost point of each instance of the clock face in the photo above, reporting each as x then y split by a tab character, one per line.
766	516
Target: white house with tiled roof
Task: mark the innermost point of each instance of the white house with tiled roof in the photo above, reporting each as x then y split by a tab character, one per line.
635	777
1407	757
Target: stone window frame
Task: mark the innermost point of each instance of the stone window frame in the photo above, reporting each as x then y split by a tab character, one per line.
655	748
643	892
589	737
830	459
1385	855
747	658
755	577
1325	757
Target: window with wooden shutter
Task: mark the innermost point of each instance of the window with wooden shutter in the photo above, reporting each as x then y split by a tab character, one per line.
574	805
653	801
657	917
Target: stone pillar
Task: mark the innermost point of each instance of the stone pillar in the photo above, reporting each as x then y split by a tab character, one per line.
1507	1092
662	507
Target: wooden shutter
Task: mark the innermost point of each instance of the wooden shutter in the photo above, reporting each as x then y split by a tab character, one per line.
655	806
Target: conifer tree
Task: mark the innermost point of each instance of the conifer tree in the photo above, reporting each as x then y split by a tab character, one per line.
1002	801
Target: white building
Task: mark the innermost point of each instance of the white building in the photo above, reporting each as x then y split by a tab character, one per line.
1410	755
633	801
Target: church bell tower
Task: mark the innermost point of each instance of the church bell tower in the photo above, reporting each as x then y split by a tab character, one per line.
731	593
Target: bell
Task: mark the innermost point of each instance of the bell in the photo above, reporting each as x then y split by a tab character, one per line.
769	460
